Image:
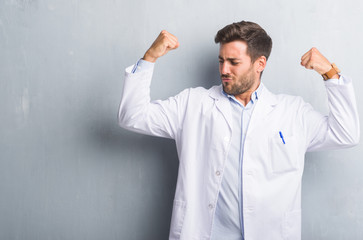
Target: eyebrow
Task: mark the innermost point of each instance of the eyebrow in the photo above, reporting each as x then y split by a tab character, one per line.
229	59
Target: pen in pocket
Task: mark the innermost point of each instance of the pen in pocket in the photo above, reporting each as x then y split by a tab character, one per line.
282	137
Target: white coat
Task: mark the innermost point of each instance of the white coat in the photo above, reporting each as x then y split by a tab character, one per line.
200	122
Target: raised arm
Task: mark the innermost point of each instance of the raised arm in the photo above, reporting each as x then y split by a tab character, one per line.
341	127
137	113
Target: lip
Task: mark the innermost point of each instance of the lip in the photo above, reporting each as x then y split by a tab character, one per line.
226	79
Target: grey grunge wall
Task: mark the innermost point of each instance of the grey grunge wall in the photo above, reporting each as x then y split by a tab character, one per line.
67	171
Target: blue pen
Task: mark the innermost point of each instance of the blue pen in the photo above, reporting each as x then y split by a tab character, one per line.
282	137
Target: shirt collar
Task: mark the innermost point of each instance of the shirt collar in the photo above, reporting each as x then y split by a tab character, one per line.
254	96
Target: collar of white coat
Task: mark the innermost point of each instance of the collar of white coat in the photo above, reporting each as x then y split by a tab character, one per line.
265	104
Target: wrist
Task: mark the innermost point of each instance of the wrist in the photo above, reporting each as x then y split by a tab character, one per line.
332	73
149	58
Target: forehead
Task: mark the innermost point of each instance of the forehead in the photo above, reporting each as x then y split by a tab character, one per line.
233	49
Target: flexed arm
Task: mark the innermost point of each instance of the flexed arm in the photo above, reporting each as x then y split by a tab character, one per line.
137	113
340	128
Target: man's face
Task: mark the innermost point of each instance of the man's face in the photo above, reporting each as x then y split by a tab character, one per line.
238	73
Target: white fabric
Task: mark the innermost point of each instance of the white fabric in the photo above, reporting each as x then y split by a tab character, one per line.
200	122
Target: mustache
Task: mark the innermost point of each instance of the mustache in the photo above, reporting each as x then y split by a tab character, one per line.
226	76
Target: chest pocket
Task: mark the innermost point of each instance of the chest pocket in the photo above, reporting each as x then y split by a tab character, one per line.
283	154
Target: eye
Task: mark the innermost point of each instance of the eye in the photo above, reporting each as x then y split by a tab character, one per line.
234	63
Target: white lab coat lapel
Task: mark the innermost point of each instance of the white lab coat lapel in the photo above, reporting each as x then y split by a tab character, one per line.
223	105
265	104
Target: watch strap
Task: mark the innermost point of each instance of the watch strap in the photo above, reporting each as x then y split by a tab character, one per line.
329	74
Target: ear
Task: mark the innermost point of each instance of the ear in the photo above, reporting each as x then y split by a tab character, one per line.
260	64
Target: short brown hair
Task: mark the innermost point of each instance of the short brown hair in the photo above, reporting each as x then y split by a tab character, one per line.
258	41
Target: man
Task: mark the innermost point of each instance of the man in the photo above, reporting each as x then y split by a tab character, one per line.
241	148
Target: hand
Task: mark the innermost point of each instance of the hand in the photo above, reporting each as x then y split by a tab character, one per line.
162	45
313	59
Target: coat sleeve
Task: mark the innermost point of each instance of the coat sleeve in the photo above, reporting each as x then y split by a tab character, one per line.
137	113
340	128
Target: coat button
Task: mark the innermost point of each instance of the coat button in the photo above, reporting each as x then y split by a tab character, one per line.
211	206
218	173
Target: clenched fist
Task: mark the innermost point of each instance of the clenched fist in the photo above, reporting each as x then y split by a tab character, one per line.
313	59
162	45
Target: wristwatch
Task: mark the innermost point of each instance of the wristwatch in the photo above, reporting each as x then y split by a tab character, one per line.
329	74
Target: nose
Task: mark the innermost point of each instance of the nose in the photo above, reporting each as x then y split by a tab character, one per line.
224	68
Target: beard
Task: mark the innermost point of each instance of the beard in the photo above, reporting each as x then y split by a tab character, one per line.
239	85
